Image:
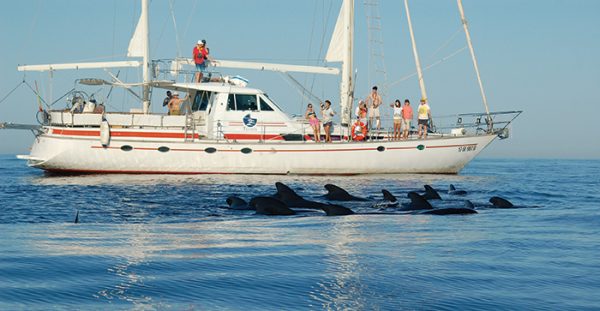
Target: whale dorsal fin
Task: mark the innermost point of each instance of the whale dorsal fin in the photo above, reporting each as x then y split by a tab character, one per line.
388	196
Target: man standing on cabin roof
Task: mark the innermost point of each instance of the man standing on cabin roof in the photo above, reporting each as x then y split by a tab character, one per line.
200	54
373	102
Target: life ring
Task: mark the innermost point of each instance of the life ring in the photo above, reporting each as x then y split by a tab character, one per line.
359	131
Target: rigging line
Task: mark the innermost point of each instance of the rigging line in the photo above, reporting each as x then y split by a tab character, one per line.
175	26
99	58
112	86
275	59
301	89
65	95
458	31
310	41
162	30
325	18
7	95
429	66
37	94
189	21
33	25
114	41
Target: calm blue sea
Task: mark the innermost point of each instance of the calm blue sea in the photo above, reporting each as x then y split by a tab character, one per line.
166	243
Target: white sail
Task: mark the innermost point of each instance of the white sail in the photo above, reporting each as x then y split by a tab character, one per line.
136	44
335	53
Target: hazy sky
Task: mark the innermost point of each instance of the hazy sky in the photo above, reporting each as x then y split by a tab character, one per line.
539	56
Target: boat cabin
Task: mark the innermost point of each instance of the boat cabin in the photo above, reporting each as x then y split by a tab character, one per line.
212	111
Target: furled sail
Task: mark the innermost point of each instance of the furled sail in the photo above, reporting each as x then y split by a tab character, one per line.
335	53
340	50
136	45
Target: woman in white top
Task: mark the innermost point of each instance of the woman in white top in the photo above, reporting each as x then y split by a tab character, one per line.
328	114
397	119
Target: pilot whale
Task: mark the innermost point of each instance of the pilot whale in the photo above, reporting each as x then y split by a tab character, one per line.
431	194
336	210
450	211
270	206
452	190
417	202
389	200
499	202
335	193
237	203
288	196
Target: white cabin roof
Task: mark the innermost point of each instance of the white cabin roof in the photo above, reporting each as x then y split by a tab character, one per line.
220	87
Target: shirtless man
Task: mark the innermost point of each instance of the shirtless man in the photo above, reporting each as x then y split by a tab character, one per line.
373	102
175	104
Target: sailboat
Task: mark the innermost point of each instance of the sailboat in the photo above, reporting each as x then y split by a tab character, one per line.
231	128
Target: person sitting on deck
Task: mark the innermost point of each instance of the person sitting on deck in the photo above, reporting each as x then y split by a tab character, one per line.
99	108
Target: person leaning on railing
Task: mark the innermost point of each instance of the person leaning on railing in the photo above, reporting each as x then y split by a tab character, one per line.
175	104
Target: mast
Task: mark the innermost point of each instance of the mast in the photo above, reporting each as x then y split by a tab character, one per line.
466	27
414	48
347	87
146	57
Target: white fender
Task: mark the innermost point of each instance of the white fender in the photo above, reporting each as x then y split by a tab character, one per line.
104	133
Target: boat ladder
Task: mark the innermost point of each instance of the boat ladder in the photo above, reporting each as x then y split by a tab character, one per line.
190	127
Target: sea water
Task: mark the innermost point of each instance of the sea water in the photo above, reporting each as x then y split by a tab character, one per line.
162	242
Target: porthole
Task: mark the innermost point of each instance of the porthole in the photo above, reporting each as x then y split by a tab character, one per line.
210	150
246	150
126	148
381	148
420	147
164	149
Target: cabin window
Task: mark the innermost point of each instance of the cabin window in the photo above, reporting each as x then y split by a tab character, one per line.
264	106
242	102
245	102
231	102
272	102
201	101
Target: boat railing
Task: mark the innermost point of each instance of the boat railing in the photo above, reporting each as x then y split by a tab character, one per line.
464	124
172	69
188	121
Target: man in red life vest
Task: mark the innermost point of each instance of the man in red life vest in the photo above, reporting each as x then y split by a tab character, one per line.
200	54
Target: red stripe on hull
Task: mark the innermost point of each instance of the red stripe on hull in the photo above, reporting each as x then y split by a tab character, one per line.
75	132
76	171
287	150
253	136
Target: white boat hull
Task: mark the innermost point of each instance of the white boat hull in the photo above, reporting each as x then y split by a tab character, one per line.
446	155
